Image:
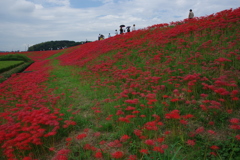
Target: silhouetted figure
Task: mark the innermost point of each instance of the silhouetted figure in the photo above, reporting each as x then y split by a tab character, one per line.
128	29
121	30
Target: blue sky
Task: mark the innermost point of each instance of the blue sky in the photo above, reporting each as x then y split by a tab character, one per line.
28	22
85	4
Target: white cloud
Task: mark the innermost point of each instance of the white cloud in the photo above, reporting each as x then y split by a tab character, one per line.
35	21
22	6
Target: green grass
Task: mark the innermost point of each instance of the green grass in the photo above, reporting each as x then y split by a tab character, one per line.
6	65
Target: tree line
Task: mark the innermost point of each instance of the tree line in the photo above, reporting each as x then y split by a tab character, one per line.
54	45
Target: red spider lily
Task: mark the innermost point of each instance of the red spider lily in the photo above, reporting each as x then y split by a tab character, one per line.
161	139
211	132
199	130
158	149
132	157
124	119
203	95
132	101
115	143
174	100
235	127
149	142
144	151
28	158
160	123
167	132
165	96
143	137
135	112
117	155
98	155
157	117
137	132
151	125
129	108
120	112
124	138
81	136
68	140
61	155
89	147
221	59
213	153
234	120
187	116
191	142
102	142
214	147
173	115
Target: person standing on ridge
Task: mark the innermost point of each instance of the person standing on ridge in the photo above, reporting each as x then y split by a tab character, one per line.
133	28
116	32
99	36
121	30
191	14
109	35
128	29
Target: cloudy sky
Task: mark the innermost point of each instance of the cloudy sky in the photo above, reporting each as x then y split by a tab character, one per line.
27	22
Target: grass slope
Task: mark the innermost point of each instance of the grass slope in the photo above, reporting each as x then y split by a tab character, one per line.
173	88
164	92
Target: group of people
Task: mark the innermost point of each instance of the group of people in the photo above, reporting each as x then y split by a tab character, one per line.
121	31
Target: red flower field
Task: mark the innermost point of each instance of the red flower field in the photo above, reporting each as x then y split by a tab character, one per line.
169	91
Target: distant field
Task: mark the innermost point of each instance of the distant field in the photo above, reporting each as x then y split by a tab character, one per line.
6	65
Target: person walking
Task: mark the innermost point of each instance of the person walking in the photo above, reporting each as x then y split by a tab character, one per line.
133	28
191	14
116	32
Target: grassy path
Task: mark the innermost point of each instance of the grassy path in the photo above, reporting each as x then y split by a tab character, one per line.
66	80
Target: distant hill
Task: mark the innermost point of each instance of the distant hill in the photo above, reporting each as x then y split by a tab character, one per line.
54	45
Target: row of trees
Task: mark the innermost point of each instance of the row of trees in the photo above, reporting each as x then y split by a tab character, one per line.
54	45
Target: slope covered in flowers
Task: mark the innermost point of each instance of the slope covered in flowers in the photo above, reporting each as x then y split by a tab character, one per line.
163	92
168	84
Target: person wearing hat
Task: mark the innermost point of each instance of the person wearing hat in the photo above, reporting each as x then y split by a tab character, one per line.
191	14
